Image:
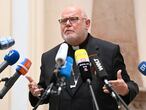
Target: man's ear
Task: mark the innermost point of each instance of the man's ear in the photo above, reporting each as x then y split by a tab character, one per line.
87	24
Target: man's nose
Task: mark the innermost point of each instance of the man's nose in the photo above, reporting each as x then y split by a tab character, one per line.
68	22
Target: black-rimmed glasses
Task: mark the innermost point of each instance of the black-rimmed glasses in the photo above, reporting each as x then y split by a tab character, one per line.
72	20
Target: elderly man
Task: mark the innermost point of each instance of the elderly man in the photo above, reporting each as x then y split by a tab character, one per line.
74	25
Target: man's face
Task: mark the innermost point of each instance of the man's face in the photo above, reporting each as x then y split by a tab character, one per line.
74	26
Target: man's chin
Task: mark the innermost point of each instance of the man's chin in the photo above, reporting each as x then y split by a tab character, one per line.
69	37
71	41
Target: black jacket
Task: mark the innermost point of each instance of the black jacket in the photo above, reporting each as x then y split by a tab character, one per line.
80	98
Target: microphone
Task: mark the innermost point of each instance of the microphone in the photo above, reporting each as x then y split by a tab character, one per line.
21	69
96	61
142	67
65	73
9	59
82	60
5	43
102	72
61	55
65	70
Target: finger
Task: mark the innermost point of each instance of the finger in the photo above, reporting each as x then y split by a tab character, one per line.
113	82
37	92
33	86
103	87
29	79
105	91
119	76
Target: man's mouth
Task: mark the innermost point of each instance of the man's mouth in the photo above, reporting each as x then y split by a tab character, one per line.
69	32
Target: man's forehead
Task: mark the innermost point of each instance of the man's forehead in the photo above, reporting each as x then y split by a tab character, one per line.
71	14
68	12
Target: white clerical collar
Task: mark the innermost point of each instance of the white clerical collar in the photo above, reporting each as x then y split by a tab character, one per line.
75	47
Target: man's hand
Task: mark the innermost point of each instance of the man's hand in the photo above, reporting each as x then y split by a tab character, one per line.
33	87
118	85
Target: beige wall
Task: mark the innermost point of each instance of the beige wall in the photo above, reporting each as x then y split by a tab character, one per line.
5	17
140	16
5	30
44	33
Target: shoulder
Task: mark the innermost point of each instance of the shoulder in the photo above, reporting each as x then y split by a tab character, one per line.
102	44
51	53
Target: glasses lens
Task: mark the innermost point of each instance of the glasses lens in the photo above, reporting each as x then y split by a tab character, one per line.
71	20
63	21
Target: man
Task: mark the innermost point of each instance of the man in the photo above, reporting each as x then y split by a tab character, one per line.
74	25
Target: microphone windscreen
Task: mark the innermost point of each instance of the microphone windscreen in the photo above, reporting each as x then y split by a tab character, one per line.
61	54
12	57
81	56
142	67
82	60
24	66
6	43
67	68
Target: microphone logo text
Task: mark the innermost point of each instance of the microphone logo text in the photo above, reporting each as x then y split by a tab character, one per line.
143	67
98	64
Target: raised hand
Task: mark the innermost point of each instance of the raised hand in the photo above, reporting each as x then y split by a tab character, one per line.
33	87
118	85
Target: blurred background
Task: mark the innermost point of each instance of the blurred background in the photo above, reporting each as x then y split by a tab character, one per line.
34	26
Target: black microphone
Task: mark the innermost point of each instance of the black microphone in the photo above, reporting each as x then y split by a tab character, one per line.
101	72
5	43
82	60
21	69
9	59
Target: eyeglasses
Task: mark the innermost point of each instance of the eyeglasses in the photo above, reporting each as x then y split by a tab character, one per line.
72	20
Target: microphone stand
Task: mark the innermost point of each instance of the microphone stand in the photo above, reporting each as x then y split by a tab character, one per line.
45	94
6	79
61	85
48	89
92	93
115	94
